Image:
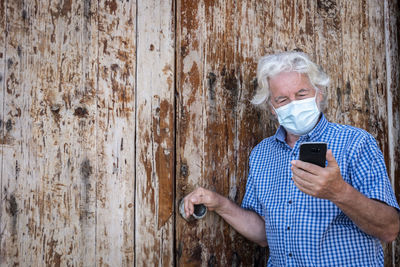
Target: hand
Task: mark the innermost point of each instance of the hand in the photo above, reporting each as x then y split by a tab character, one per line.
201	196
319	182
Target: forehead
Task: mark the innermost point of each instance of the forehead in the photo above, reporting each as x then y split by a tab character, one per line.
287	83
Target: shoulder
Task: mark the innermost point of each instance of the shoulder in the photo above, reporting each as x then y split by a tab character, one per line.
263	145
343	132
263	148
352	141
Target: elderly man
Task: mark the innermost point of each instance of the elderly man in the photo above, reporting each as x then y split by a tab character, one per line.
310	215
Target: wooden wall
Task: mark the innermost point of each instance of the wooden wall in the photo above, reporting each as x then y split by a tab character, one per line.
111	111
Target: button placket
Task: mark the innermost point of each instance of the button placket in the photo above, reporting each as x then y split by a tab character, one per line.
288	221
289	207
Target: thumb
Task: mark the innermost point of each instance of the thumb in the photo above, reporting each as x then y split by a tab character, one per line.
331	160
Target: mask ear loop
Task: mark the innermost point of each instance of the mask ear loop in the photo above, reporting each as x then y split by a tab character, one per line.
315	96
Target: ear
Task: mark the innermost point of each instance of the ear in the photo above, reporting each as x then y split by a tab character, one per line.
320	95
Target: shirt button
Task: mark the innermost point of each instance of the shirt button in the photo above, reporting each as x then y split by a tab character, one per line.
290	202
290	255
288	228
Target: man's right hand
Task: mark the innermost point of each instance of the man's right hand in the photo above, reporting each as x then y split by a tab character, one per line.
201	195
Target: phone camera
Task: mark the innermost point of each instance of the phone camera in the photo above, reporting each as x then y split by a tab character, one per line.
315	150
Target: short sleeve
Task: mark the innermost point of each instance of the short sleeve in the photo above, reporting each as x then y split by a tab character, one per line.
369	174
250	200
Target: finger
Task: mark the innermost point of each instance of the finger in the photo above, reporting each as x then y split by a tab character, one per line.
188	205
309	167
331	159
305	189
198	196
302	173
300	182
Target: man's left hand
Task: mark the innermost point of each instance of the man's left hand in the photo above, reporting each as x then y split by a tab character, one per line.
319	182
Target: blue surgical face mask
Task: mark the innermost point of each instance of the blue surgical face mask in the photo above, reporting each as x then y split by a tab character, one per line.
300	116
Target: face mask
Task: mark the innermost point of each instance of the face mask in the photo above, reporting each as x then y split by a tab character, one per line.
299	117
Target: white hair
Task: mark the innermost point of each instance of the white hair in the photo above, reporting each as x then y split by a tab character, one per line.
272	65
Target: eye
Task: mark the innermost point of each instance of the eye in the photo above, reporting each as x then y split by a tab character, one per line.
282	100
303	92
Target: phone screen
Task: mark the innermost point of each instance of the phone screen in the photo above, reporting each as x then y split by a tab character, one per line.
314	153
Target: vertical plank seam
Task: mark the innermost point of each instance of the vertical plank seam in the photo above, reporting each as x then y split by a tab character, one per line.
96	131
389	102
341	49
175	95
236	112
202	59
2	229
136	131
314	10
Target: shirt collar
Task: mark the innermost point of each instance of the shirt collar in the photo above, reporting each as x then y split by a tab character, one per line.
280	134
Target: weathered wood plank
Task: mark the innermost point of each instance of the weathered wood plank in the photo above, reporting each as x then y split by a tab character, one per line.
293	25
18	105
3	18
190	127
11	136
392	49
115	134
56	212
328	53
355	73
63	113
83	146
155	134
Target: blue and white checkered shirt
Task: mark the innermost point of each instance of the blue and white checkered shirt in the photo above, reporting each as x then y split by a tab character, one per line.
306	231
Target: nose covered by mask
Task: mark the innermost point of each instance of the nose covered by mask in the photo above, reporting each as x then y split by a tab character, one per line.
300	116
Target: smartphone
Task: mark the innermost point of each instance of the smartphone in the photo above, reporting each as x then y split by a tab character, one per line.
313	152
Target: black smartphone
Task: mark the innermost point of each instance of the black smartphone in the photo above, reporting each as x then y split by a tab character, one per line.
314	153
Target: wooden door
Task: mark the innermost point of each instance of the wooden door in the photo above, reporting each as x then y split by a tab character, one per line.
111	111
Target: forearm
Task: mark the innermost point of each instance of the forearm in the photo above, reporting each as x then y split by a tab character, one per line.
247	223
371	216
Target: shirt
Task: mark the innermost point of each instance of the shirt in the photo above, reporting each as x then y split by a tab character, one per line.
306	231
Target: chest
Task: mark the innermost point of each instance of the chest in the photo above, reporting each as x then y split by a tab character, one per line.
277	192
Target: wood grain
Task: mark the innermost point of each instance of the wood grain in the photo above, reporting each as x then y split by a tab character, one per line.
11	135
392	60
47	199
155	126
329	55
115	133
3	47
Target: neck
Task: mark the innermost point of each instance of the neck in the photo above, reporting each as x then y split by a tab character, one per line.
291	139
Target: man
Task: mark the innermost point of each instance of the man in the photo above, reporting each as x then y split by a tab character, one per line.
306	214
